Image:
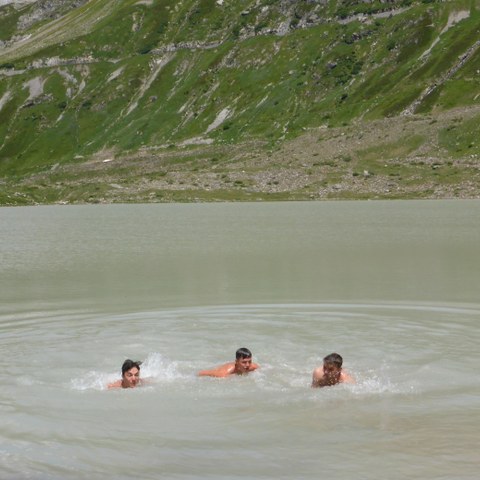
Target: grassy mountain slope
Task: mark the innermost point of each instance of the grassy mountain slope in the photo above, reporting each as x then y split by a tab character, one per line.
132	100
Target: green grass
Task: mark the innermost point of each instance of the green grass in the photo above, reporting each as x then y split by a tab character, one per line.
462	138
384	151
8	21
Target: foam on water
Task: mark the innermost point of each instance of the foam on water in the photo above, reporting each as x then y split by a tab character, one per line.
156	369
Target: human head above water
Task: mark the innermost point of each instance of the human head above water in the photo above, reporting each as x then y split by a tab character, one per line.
243	353
333	359
128	365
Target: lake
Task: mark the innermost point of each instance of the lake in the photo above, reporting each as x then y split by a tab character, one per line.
392	286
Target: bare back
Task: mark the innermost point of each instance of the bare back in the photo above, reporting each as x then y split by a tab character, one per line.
225	370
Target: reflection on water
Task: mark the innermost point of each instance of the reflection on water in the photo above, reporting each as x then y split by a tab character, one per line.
391	286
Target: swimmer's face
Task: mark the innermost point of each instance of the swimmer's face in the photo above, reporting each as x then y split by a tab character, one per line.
131	378
331	370
242	365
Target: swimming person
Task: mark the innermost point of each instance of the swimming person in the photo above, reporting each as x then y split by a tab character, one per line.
130	375
331	372
243	364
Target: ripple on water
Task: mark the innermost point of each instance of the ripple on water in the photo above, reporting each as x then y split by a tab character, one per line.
410	380
388	348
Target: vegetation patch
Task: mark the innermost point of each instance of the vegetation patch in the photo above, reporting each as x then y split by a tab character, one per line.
260	100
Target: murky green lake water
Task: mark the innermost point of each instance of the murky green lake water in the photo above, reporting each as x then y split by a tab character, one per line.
392	286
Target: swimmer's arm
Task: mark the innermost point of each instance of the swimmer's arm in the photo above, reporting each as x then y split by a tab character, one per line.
219	372
117	384
317	377
253	367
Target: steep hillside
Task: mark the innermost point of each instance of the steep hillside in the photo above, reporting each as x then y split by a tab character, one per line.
160	100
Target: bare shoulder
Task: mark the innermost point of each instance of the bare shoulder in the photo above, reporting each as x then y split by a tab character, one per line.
219	372
253	367
345	377
317	376
117	384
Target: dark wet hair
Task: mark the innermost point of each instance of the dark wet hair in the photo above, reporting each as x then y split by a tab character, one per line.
334	359
243	353
128	364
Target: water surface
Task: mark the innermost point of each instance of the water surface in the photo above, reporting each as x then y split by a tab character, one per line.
392	286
